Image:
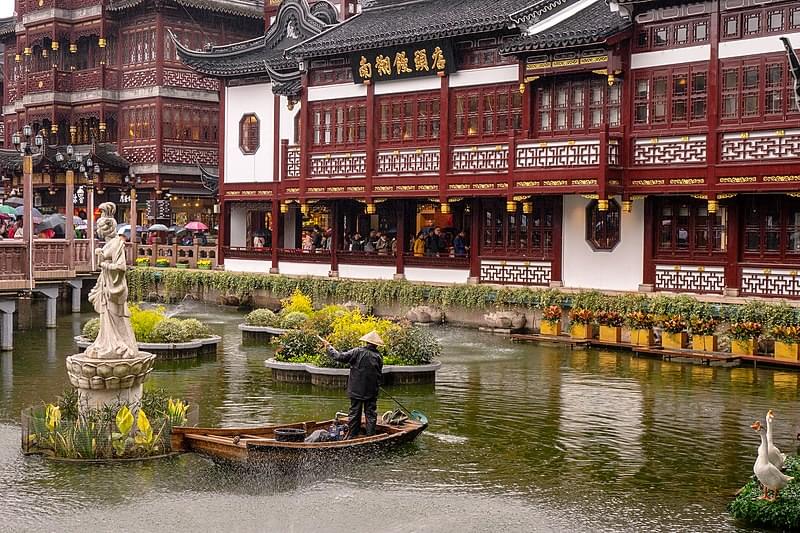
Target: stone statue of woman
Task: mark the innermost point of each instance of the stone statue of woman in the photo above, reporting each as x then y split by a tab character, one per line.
110	295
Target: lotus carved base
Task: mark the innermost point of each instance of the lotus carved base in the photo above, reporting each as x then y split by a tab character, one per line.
101	382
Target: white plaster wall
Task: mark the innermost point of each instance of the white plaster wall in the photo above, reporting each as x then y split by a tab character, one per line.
661	58
239	101
238	227
426	83
366	272
287	119
619	269
304	269
484	76
337	91
247	265
437	275
756	46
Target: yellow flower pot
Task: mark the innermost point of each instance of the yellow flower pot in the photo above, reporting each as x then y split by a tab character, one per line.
550	328
581	331
704	343
743	347
611	334
674	341
787	351
642	337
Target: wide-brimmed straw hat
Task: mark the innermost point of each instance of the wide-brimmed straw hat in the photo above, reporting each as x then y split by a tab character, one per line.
373	338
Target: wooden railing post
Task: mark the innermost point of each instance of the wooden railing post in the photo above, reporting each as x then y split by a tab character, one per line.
69	228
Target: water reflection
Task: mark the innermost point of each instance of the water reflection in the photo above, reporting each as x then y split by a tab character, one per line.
522	437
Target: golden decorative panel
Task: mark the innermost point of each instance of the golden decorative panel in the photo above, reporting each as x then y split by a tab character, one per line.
648	183
781	179
687	181
739	179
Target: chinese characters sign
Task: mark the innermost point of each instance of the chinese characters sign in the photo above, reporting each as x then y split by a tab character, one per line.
397	63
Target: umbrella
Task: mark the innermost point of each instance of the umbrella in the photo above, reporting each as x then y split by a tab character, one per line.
196	226
121	228
6	216
48	223
176	229
8	210
158	227
37	215
13	201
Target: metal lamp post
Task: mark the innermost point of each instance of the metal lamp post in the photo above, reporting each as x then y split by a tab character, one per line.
133	180
70	164
23	144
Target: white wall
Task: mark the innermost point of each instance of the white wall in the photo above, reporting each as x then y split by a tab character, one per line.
619	269
239	101
247	265
238	226
304	269
366	271
436	275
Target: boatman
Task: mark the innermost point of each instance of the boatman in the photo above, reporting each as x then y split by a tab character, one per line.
366	367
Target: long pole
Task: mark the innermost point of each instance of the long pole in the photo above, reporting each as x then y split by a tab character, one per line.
69	228
27	196
132	222
90	224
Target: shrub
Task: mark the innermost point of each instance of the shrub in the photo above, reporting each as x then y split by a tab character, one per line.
322	321
143	261
744	331
162	262
204	263
552	314
262	317
194	329
703	326
294	320
787	334
640	320
297	344
408	345
673	324
610	319
169	330
350	327
145	321
91	329
581	316
297	302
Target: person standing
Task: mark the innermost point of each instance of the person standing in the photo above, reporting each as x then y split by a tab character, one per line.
460	245
366	371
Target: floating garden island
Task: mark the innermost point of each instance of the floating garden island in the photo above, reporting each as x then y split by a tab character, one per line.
409	357
168	338
783	514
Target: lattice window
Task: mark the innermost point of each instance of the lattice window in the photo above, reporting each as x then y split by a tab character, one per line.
480	53
603	227
757	89
487	111
527	232
684	228
771	228
139	122
577	105
249	134
677	34
343	123
408	118
139	46
671	98
761	21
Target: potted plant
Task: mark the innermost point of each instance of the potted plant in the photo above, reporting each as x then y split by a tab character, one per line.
182	264
703	329
143	261
674	336
641	325
162	262
744	337
580	323
551	320
787	342
204	264
610	326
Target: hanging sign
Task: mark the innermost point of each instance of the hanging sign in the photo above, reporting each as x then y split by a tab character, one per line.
401	62
159	210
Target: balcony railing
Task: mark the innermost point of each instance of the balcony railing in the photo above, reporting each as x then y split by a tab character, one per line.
302	256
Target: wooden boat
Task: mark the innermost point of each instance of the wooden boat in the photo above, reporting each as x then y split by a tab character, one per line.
253	445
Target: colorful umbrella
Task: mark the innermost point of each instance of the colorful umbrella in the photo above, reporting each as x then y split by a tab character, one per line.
14	201
35	213
196	226
158	227
8	210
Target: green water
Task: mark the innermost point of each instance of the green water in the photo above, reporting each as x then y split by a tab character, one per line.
522	438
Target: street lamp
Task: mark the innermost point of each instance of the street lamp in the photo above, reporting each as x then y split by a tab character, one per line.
23	144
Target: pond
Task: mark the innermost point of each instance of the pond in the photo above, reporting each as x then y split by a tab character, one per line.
523	437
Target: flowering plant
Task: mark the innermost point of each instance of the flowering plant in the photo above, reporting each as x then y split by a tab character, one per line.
673	324
787	334
142	261
744	331
581	316
162	262
703	326
640	320
204	264
552	314
610	318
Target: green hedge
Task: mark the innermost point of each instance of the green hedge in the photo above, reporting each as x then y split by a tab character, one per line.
174	284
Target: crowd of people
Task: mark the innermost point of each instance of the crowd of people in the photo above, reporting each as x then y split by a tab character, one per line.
432	241
13	229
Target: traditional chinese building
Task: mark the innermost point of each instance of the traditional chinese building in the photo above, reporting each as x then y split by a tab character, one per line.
106	72
639	146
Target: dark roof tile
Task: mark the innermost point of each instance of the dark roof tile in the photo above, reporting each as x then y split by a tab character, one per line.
241	8
8	26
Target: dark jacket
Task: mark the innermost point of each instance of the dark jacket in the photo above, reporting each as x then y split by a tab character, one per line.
366	367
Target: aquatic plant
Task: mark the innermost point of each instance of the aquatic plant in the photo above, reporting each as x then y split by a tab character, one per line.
296	344
408	345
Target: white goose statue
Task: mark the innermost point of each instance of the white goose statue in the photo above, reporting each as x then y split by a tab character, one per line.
767	474
775	456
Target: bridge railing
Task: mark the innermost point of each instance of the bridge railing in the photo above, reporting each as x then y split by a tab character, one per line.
12	263
175	254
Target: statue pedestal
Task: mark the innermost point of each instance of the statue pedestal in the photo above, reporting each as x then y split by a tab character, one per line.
108	381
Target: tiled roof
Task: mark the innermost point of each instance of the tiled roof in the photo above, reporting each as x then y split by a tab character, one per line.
7	26
241	8
593	24
391	22
105	153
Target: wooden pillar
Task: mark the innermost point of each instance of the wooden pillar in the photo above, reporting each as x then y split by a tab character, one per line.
444	136
649	268
337	229
223	238
90	225
132	220
400	260
276	228
556	276
371	155
27	197
735	215
475	242
69	227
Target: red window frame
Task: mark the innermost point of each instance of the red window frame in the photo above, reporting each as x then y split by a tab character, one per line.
753	82
686	32
249	133
580	104
338	124
736	25
519	234
603	227
412	118
672	98
684	229
771	229
486	112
